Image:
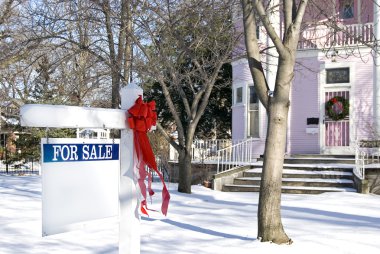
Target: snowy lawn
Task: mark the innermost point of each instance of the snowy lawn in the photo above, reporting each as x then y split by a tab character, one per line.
203	222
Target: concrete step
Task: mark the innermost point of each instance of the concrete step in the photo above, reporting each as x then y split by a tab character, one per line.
306	173
316	166
318	156
317	159
315	182
332	167
286	189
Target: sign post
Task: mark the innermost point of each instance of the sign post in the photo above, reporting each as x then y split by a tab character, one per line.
129	227
57	116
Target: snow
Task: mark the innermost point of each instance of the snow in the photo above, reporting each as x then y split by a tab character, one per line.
205	221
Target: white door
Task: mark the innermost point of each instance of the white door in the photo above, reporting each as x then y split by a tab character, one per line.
336	133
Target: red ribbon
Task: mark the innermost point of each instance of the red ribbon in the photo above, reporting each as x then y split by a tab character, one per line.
142	117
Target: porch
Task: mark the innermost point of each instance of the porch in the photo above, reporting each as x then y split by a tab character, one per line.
325	37
235	166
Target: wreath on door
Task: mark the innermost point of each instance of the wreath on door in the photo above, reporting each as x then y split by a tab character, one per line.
337	108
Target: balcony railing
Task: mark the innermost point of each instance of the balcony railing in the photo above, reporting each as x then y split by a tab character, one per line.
322	36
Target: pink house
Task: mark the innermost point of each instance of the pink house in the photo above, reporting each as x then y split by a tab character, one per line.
331	62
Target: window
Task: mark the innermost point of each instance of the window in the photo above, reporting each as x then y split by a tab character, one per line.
239	95
253	113
346	9
337	75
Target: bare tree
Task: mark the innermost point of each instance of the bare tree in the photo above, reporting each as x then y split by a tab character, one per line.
325	31
5	13
276	103
91	31
182	45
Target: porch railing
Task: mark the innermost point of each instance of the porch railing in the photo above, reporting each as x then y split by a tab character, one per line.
239	154
204	150
366	153
322	36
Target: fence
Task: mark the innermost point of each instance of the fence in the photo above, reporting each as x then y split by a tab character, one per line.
207	150
16	171
30	168
239	154
203	150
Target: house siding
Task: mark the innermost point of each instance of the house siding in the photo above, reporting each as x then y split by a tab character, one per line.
238	122
241	72
363	99
304	103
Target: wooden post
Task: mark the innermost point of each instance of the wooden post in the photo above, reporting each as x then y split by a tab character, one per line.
129	231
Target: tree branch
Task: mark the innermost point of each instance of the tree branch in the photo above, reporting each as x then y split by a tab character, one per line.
288	11
258	5
253	52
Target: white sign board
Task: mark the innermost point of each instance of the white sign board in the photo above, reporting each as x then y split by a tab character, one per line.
80	182
60	116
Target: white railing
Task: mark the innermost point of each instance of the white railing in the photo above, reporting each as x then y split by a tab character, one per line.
322	36
359	169
366	153
203	150
206	150
239	154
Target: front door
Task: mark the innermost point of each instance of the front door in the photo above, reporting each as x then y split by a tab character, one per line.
336	138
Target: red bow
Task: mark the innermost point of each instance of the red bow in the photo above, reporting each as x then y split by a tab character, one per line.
141	119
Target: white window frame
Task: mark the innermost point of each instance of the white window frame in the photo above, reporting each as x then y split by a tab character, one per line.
236	95
248	130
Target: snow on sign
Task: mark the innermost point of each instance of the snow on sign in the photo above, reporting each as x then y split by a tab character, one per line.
79	182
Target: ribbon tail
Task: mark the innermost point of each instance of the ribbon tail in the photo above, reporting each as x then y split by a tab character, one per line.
151	162
165	200
147	151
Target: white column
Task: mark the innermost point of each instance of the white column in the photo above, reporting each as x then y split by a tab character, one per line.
376	69
129	231
272	56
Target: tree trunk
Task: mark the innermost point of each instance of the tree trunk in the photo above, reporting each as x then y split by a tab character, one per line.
115	96
269	216
270	227
184	163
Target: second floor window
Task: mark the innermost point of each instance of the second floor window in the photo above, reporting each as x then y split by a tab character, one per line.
346	9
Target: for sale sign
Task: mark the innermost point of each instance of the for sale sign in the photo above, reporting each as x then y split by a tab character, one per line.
80	180
80	152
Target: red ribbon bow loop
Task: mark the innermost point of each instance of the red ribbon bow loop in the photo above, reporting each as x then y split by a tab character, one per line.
142	117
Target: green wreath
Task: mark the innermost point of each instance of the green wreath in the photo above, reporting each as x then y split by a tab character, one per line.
337	108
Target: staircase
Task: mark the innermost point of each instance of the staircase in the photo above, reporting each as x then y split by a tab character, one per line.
303	174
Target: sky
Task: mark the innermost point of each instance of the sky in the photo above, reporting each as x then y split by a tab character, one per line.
205	221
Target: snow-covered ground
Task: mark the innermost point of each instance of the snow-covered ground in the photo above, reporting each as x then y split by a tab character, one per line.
203	222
